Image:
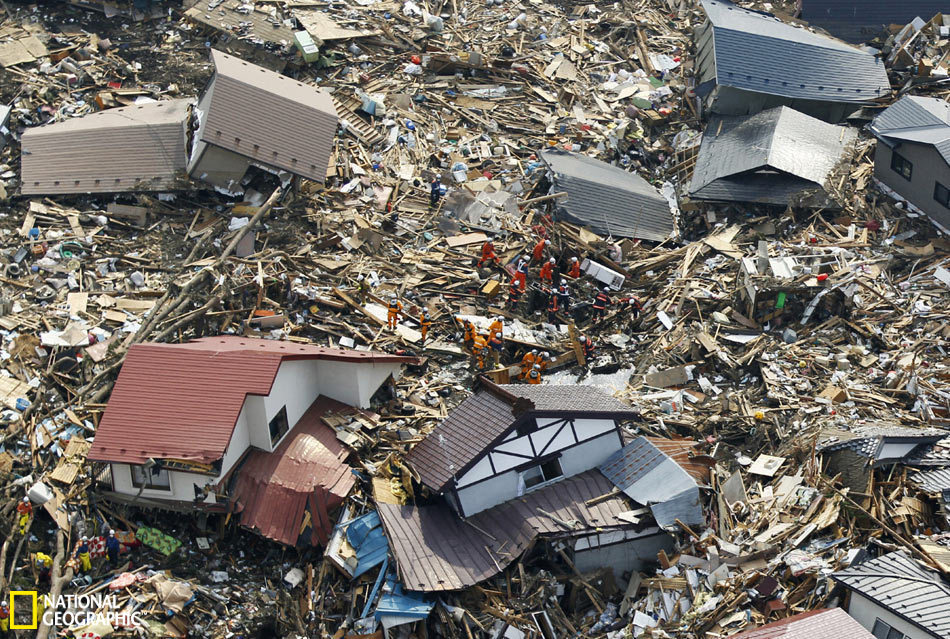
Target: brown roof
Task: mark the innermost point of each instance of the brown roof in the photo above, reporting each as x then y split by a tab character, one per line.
685	452
831	623
269	118
305	473
474	426
437	550
182	401
133	148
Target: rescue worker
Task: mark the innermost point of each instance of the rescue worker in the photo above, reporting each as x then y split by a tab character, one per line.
112	548
44	566
25	508
534	377
424	324
575	268
634	305
478	350
514	294
435	190
528	362
82	553
488	254
393	315
362	287
554	305
600	304
547	271
5	618
564	296
497	326
496	344
543	361
521	273
469	335
538	252
587	345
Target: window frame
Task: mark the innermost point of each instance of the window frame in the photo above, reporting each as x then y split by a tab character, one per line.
946	201
545	479
282	413
148	477
888	631
898	162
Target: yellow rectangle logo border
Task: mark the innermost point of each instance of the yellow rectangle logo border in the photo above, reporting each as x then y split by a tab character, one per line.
23	593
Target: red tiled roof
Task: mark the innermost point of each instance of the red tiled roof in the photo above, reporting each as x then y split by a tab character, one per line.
306	472
831	623
181	401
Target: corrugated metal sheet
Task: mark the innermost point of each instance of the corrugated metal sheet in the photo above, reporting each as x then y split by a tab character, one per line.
397	605
270	118
916	119
831	623
905	587
861	20
756	51
181	401
607	199
770	157
133	148
305	473
650	477
475	424
437	551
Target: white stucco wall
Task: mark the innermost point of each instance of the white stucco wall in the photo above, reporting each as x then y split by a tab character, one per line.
182	484
866	612
238	444
590	454
488	493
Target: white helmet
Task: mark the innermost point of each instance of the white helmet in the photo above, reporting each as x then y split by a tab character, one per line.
359	279
551	260
111	532
395	299
583	338
537	367
84	538
573	259
545	354
534	351
547	242
606	290
563	282
26	500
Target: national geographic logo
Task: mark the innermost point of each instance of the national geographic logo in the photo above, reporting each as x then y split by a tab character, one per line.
69	611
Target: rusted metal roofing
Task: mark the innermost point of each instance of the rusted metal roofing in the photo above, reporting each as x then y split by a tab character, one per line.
830	623
684	452
182	401
473	427
305	473
269	118
133	148
436	550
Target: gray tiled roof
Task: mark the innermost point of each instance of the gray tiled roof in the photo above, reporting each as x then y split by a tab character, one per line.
916	119
551	397
758	52
767	157
933	481
905	587
861	20
607	199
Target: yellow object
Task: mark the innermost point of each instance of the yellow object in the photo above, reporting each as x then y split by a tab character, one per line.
84	562
759	415
24	520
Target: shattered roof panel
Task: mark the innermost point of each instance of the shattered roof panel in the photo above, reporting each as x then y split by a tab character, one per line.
237	17
753	50
275	488
270	118
831	623
905	587
803	149
136	148
181	401
474	425
861	20
609	200
436	550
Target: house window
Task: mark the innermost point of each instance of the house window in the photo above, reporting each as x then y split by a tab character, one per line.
942	194
278	426
884	631
537	475
901	165
153	478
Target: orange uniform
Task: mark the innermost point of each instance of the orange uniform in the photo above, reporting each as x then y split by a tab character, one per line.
538	252
547	272
575	270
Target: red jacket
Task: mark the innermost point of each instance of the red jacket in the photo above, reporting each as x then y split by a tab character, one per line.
538	252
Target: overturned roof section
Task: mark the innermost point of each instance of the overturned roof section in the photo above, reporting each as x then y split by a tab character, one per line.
133	148
608	199
916	119
753	52
652	478
182	401
882	444
902	585
771	157
305	474
830	623
486	417
860	20
436	550
269	118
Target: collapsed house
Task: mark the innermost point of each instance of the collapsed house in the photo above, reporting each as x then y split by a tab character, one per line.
136	148
607	199
912	159
894	596
779	157
234	424
859	21
748	61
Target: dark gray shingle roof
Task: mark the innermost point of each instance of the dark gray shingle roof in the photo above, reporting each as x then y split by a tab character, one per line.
861	20
905	587
933	481
758	52
916	119
767	157
608	199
